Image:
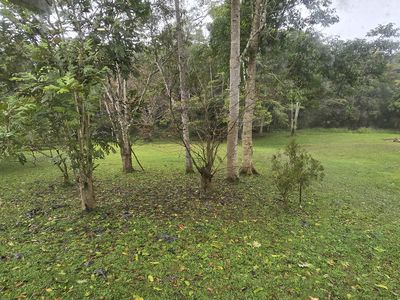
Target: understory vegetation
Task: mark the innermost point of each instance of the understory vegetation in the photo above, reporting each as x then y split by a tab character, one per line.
153	237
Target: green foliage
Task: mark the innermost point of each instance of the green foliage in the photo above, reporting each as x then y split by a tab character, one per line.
15	127
294	170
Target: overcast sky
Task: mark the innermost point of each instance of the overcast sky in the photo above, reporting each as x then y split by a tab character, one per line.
357	17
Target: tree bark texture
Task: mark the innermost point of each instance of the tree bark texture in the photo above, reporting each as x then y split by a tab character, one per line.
251	94
86	191
234	68
184	91
84	161
126	156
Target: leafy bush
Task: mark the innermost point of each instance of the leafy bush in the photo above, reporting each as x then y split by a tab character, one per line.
294	170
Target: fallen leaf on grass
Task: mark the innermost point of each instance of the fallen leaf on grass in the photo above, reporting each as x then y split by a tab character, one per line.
82	281
330	262
305	265
379	249
382	286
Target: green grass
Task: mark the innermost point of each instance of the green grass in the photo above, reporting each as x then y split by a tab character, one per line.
154	238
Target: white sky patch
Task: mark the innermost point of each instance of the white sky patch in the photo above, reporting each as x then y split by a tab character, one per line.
357	17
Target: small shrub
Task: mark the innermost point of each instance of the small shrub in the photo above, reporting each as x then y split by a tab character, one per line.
294	170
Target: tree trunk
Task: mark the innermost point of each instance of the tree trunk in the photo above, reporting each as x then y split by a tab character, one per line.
119	107
86	191
251	97
126	157
262	121
296	115
184	91
205	184
126	151
85	156
295	109
234	70
292	119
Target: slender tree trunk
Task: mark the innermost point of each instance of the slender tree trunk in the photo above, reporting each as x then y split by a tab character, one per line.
85	157
296	115
294	112
125	125
262	121
62	165
184	91
251	95
234	68
291	118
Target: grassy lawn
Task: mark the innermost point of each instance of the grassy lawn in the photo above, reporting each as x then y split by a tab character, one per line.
152	237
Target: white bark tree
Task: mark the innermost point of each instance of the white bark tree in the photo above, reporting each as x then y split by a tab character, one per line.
234	83
294	115
251	94
234	71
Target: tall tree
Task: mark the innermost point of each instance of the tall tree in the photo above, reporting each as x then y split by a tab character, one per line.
267	17
184	90
66	78
251	95
120	42
234	90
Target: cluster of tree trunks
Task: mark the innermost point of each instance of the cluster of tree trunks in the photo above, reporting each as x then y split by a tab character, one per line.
119	108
